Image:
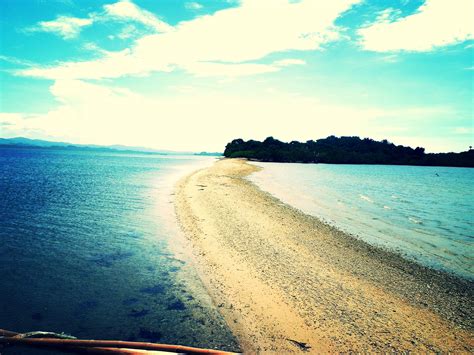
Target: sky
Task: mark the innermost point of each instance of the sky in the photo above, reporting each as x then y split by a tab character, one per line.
193	75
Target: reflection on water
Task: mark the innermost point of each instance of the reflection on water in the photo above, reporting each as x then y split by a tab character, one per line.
88	248
424	213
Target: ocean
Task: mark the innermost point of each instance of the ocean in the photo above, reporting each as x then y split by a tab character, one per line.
425	214
89	246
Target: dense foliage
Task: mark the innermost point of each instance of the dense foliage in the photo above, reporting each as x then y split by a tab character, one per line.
343	150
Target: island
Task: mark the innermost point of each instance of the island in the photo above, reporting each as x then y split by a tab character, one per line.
343	150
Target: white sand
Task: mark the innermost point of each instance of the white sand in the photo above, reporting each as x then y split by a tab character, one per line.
278	275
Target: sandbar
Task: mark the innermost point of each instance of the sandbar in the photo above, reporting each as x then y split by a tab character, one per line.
287	282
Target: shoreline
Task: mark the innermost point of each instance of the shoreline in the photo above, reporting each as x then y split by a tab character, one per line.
282	278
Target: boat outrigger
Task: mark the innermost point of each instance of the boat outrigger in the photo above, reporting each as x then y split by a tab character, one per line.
69	344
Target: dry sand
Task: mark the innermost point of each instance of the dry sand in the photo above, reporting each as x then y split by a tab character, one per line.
282	278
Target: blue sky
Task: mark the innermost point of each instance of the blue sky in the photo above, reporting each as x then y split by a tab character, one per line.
188	75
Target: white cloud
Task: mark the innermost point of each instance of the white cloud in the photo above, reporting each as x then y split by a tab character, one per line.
92	113
112	65
391	58
123	10
288	62
66	27
228	70
388	15
9	119
127	32
193	6
223	40
463	130
437	23
93	47
127	10
16	61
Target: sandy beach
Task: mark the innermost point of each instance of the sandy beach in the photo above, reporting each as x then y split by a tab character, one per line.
286	282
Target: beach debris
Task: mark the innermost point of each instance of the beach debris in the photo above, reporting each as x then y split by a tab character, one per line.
299	344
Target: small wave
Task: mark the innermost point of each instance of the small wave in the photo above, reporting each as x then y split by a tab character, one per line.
423	231
387	208
414	220
366	198
395	197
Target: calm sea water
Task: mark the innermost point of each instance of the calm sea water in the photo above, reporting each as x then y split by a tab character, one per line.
87	247
424	213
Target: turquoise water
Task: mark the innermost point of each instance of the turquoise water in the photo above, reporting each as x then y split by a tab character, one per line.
89	246
424	213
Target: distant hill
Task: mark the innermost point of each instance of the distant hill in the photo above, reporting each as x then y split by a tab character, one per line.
22	142
31	142
343	150
209	154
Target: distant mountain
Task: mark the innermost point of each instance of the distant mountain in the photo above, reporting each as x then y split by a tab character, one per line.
38	143
343	150
31	142
146	150
209	154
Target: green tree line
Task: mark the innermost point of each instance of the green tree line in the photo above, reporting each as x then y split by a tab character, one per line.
343	150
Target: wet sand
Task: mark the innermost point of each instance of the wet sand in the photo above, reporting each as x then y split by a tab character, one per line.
286	282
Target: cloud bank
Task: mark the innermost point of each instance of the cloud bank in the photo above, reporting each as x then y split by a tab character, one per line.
93	113
228	42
